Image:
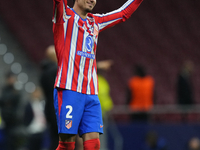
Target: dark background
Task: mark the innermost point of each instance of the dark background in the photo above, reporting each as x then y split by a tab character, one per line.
160	34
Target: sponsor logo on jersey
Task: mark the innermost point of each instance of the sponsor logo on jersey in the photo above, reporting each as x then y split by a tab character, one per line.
101	126
68	124
89	43
85	54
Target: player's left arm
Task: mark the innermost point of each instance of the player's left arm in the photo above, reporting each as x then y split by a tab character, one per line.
120	15
129	8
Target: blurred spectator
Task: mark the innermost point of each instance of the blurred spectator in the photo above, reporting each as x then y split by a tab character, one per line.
2	136
194	144
140	95
154	142
104	88
47	80
10	106
104	97
0	119
2	139
35	121
184	84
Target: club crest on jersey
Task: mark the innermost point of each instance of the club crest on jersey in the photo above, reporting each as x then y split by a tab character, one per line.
96	30
89	43
68	124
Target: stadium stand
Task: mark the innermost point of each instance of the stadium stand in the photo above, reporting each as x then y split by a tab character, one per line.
160	35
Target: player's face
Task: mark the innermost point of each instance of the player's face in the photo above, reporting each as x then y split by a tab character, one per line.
86	5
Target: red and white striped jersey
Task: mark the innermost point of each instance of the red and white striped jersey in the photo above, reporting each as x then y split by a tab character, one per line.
75	42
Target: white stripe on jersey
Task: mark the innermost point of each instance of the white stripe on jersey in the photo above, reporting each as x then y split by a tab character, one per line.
103	25
88	24
54	18
59	75
127	4
72	54
82	65
110	13
90	73
64	12
65	16
94	75
65	28
117	10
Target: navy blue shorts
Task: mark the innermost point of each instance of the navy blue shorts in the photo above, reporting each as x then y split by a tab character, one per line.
77	112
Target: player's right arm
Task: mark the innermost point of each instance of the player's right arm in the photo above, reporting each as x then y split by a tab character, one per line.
58	10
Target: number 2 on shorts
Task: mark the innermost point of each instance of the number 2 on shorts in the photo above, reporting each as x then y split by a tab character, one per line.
68	115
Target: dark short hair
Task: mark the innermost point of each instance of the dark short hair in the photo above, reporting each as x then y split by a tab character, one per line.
73	2
140	70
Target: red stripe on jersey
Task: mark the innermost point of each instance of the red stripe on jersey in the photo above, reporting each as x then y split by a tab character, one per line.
60	101
60	96
57	78
132	7
111	17
59	45
66	53
65	2
85	79
95	65
78	58
92	88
